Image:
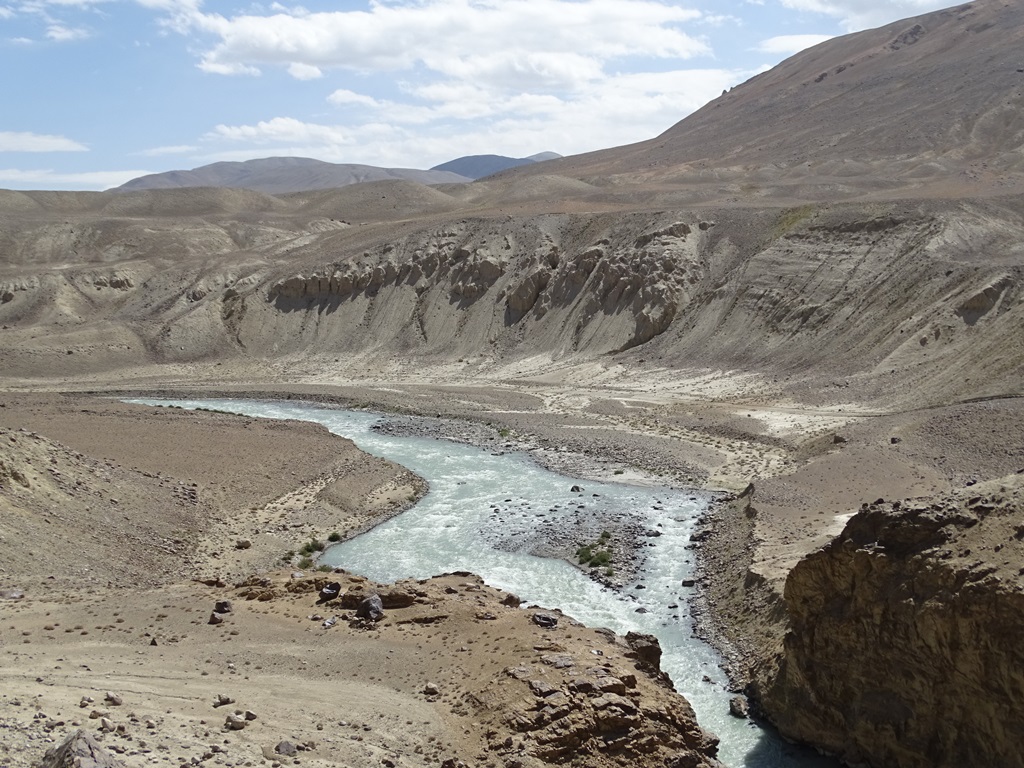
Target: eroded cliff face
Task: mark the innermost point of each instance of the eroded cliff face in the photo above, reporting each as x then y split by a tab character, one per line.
933	293
863	290
480	287
904	647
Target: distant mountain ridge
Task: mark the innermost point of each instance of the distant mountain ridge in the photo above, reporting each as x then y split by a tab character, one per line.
281	175
479	166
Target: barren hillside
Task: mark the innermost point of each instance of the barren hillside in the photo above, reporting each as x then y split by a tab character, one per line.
932	105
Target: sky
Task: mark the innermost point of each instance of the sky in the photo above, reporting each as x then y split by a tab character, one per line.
97	92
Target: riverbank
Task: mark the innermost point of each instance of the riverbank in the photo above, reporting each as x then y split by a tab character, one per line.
154	654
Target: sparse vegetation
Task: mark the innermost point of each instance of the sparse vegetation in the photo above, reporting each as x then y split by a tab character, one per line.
335	536
306	562
311	546
597	554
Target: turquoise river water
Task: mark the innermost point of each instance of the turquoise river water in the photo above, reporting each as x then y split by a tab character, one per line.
449	530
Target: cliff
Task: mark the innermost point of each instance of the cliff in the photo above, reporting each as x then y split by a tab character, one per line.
904	640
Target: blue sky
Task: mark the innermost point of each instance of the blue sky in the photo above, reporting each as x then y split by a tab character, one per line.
96	92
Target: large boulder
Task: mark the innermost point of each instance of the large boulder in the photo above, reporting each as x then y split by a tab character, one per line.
79	750
371	608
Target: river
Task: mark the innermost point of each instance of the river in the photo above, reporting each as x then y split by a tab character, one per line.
475	494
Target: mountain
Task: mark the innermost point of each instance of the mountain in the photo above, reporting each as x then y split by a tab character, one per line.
280	175
935	99
479	166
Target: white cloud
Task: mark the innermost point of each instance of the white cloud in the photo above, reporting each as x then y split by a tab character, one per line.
14	141
178	149
304	71
217	68
856	15
6	13
790	44
283	130
506	41
13	178
61	34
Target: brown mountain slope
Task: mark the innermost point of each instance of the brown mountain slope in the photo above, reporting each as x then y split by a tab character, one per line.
936	98
281	175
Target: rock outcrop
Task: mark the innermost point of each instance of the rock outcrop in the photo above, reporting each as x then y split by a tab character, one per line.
904	642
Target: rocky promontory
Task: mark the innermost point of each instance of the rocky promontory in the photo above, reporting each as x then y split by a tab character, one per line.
904	634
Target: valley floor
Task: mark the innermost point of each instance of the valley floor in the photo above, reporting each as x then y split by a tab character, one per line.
94	602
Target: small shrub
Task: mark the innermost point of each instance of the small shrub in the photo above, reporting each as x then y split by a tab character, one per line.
620	472
585	553
600	558
313	545
334	537
504	432
306	562
324	568
609	572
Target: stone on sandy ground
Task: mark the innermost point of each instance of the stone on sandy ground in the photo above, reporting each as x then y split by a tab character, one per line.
79	750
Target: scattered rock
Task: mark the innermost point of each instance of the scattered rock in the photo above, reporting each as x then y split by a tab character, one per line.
371	608
235	722
243	544
113	699
545	620
511	600
79	750
223	606
329	591
222	700
431	689
286	748
216	618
